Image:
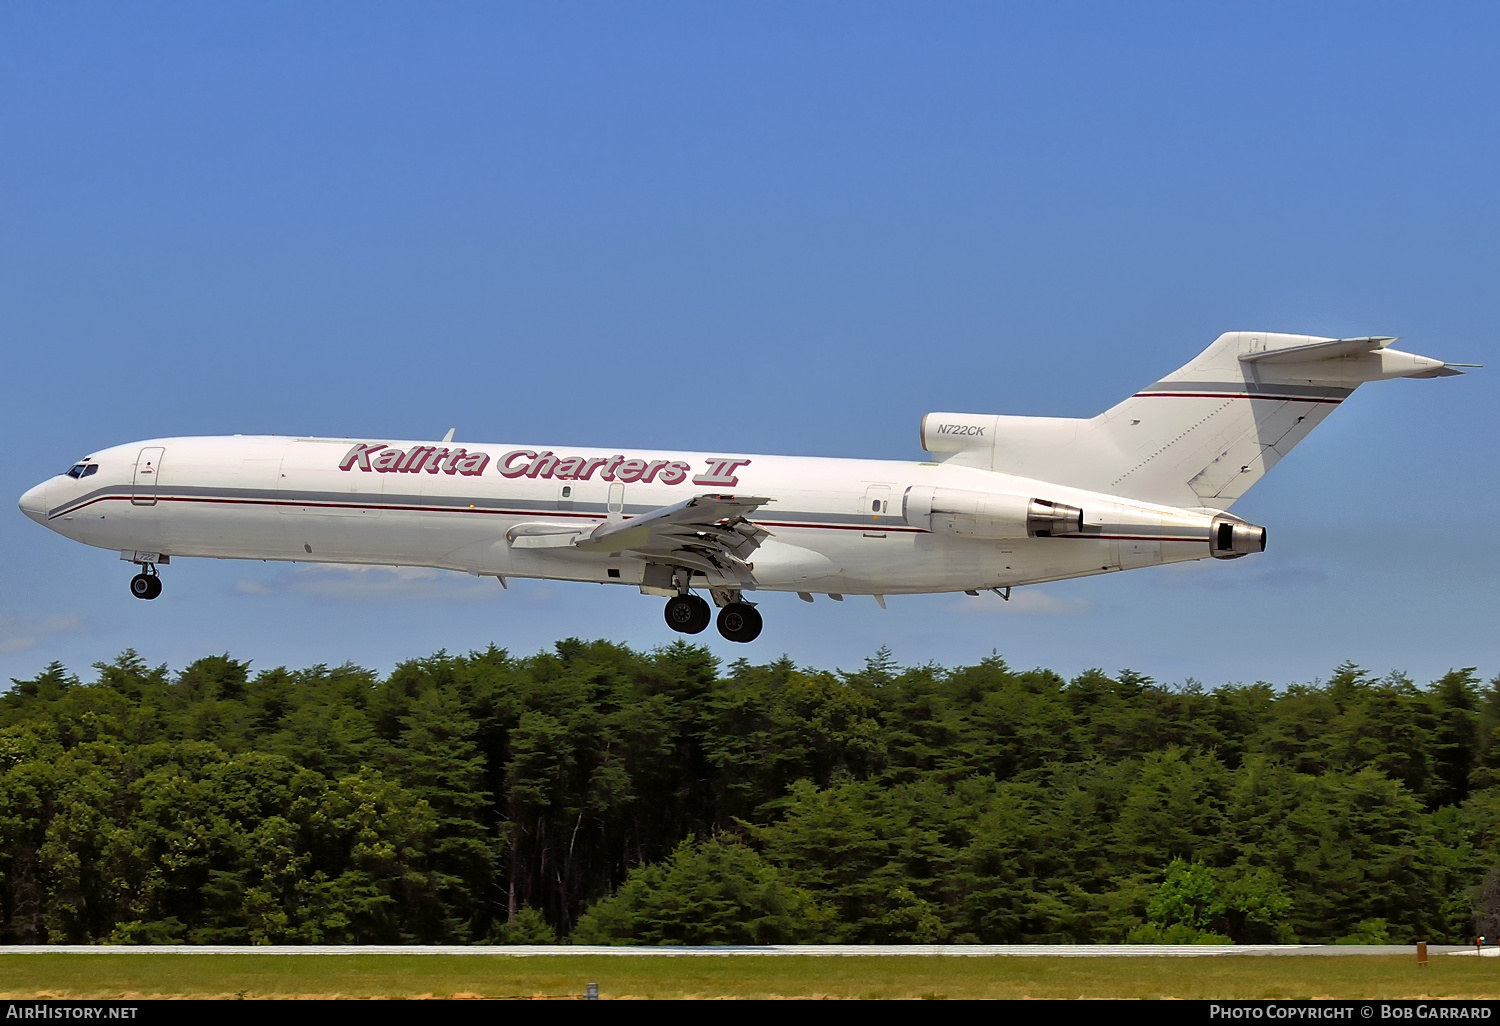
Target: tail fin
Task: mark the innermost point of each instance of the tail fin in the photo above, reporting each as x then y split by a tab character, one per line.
1201	436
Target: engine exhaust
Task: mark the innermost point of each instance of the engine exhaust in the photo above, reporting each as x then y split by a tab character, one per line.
1231	539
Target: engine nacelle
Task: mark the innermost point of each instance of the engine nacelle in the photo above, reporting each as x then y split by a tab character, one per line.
991	515
1000	516
1229	538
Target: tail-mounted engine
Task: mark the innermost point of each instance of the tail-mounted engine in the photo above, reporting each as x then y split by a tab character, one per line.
1229	538
989	514
998	516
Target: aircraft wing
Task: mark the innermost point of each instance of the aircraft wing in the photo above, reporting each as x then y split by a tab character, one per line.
706	531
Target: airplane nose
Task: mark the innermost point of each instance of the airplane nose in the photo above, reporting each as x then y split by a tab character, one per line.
34	503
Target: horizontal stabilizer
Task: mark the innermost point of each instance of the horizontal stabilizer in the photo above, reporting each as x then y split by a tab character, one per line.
1447	370
1325	350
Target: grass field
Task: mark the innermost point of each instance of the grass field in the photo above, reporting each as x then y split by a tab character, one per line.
125	976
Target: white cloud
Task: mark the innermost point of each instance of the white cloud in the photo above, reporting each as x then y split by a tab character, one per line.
18	634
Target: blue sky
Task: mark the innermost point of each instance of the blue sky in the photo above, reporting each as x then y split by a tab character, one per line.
753	227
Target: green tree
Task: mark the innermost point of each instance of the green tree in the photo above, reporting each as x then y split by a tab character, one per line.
1197	904
714	892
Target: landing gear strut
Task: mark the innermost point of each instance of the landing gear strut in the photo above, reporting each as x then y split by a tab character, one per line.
688	614
146	584
739	621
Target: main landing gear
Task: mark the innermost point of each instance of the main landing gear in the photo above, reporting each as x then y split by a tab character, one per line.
146	584
739	621
689	614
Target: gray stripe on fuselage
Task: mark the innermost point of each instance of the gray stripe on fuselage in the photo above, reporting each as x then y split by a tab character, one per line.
342	499
446	503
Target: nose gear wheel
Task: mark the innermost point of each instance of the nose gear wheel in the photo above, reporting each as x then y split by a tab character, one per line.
146	585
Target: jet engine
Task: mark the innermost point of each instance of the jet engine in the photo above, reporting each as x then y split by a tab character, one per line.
991	515
1230	538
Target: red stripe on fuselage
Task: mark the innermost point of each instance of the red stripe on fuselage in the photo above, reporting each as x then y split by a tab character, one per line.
1232	395
448	509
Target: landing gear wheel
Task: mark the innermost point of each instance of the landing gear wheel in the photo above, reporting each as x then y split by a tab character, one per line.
687	614
145	586
739	622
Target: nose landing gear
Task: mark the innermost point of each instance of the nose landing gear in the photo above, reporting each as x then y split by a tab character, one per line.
146	584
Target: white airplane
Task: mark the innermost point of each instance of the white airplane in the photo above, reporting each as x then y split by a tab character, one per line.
1005	501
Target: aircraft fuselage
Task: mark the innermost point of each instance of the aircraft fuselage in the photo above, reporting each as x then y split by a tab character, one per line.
840	526
1008	501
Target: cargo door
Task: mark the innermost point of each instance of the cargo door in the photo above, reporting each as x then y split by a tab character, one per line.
147	474
875	510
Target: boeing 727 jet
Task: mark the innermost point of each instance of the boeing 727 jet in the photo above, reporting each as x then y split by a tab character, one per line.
1004	501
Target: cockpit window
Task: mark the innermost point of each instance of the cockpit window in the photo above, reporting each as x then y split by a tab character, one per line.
91	469
83	470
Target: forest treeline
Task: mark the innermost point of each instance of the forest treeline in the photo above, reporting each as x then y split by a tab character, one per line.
597	794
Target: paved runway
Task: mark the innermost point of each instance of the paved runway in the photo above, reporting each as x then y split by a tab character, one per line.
811	950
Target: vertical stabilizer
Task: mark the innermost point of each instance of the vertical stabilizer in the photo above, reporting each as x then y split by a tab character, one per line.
1199	437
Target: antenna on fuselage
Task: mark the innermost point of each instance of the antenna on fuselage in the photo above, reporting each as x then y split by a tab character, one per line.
449	436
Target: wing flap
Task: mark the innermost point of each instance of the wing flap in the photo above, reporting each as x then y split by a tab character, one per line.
703	524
